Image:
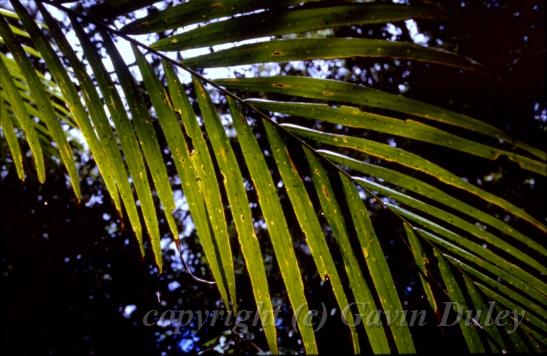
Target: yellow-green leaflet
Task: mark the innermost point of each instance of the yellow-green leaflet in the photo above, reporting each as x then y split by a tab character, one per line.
422	264
378	267
128	140
12	15
149	145
277	225
353	117
487	266
19	32
100	123
495	341
56	68
46	111
455	221
529	317
362	96
9	14
10	92
54	94
52	88
413	161
151	152
470	333
43	136
310	225
198	176
237	197
478	249
530	305
412	184
29	102
29	50
13	144
363	296
177	144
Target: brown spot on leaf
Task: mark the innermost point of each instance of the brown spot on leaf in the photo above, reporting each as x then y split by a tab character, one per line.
281	85
291	162
325	192
277	53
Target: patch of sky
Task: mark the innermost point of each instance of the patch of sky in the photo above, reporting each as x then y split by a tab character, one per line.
394	31
415	34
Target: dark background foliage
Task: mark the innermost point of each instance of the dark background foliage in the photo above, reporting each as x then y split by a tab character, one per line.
71	280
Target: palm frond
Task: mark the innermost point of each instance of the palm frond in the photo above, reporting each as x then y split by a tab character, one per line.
218	169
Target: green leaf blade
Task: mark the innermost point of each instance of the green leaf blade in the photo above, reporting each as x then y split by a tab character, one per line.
198	177
327	48
13	144
179	149
422	264
276	223
21	114
456	222
282	21
363	296
237	197
424	189
353	117
342	92
377	266
68	90
196	11
100	123
126	134
455	293
309	223
413	161
152	154
495	340
477	248
47	113
517	283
